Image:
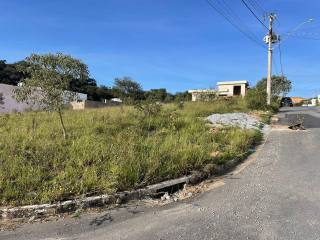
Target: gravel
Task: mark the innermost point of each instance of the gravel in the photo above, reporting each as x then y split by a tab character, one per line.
242	120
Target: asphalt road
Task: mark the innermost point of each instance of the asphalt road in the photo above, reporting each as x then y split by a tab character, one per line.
276	196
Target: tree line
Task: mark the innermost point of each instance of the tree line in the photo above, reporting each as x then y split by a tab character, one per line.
56	73
124	88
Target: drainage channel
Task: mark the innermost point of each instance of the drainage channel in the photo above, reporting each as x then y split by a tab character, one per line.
168	190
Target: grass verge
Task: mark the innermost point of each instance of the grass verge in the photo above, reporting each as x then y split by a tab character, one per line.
111	149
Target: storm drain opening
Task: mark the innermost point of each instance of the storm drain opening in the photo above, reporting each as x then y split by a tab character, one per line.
170	190
297	123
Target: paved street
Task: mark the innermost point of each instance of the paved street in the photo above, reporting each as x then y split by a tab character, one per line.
277	196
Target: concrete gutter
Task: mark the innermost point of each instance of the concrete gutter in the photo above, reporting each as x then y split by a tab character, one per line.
70	206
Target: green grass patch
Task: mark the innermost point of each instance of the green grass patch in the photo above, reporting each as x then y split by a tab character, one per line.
109	150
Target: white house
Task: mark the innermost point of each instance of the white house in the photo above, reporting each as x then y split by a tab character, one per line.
233	88
226	88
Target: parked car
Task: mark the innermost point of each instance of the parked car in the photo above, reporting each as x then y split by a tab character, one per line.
286	102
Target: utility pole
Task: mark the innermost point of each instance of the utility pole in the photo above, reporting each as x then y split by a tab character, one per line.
269	39
270	36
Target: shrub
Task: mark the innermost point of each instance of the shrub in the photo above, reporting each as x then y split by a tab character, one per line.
256	99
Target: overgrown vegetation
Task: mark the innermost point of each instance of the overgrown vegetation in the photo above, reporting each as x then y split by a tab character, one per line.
112	149
256	97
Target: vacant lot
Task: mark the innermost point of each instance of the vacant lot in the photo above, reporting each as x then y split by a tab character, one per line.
112	149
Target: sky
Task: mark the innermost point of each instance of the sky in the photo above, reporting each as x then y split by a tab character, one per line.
172	44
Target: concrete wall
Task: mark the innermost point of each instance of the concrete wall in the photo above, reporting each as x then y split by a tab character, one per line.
87	104
202	95
226	89
78	97
10	104
244	89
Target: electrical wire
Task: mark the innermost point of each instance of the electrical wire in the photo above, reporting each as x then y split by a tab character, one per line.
254	14
236	19
307	34
226	12
304	37
258	6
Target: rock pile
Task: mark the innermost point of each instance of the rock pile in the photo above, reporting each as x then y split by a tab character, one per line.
242	120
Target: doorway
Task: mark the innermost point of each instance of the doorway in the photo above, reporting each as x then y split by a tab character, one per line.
236	90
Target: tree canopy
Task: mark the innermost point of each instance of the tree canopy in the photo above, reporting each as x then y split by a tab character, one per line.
182	96
9	73
157	94
50	78
127	89
280	85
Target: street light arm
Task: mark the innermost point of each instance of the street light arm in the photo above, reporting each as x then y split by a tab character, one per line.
290	33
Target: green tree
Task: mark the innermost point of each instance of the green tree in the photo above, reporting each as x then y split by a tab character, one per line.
82	85
99	93
104	92
9	73
127	89
169	97
280	85
50	77
156	94
182	96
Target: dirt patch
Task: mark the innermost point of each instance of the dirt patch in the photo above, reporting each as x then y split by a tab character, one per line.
257	115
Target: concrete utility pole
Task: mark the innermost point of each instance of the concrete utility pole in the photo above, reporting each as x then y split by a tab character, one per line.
270	39
271	17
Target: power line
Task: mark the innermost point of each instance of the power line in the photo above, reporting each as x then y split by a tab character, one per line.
226	12
236	19
305	37
253	13
258	6
307	34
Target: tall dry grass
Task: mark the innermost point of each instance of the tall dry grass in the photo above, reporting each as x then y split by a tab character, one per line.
110	149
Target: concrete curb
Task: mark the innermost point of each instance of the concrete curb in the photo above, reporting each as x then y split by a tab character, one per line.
70	206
